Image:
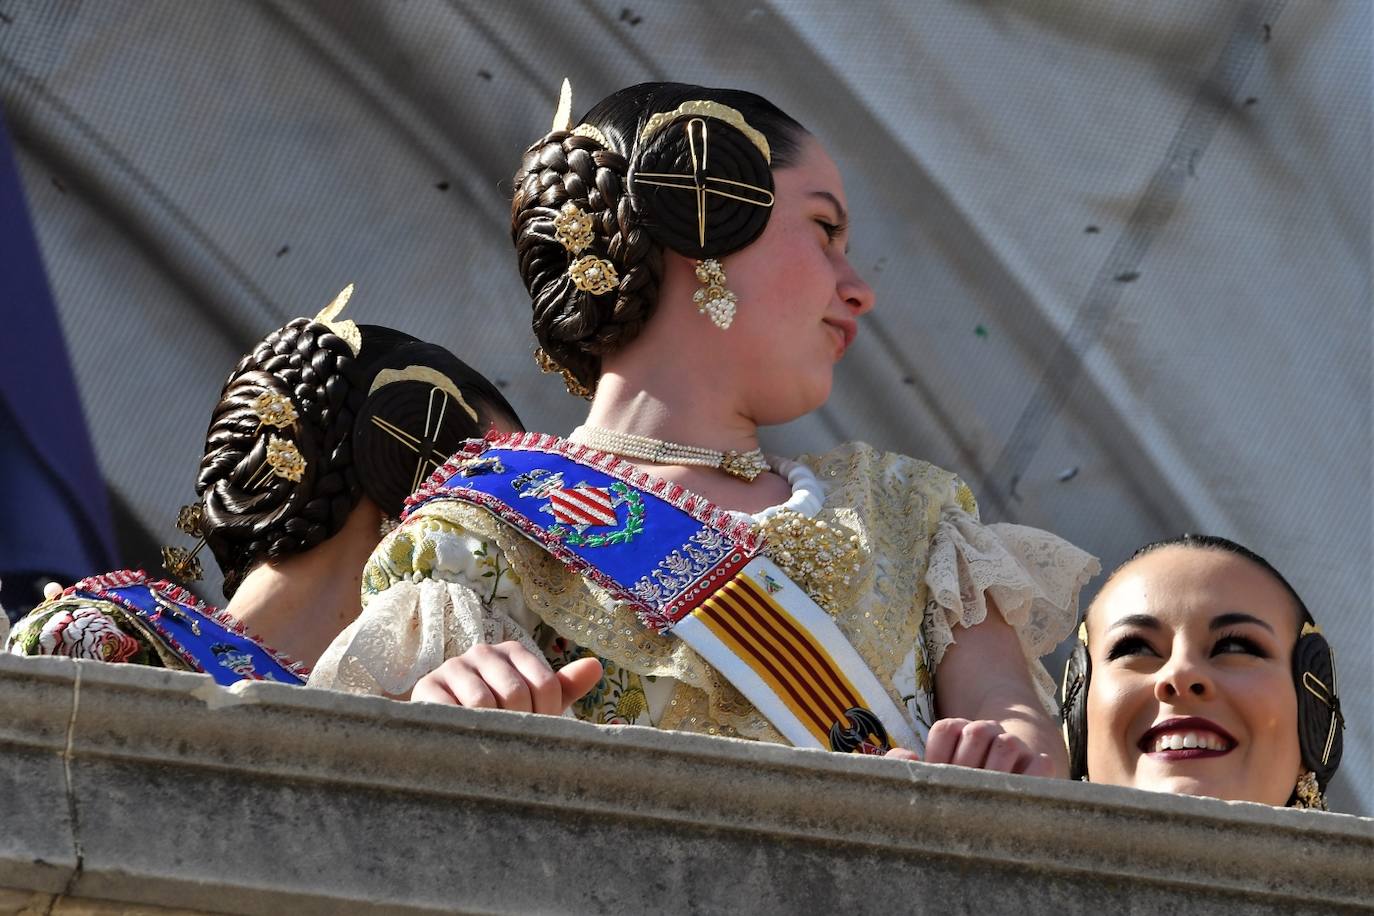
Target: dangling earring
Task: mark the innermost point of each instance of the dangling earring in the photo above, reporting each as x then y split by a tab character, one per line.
1308	793
714	300
387	526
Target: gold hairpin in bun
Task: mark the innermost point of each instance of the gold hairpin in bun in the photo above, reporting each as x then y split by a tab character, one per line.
708	109
275	410
346	330
562	115
562	118
285	459
180	562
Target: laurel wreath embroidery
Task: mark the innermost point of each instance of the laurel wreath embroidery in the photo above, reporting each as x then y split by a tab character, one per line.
633	527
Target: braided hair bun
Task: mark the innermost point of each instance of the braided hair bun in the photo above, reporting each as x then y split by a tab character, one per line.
252	514
573	326
591	167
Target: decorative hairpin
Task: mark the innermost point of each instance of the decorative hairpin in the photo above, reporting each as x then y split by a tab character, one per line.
273	409
180	562
283	459
562	118
705	108
573	227
345	330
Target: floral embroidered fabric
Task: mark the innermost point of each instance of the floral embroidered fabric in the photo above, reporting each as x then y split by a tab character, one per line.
453	575
126	617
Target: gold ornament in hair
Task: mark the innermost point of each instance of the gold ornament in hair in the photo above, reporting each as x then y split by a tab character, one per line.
698	182
547	364
593	275
707	109
180	562
274	409
442	391
345	330
285	459
575	231
574	228
562	118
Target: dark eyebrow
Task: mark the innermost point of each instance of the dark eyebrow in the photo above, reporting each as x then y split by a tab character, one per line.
1222	621
1136	620
840	211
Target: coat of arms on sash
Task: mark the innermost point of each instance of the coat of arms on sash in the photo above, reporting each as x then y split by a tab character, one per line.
577	510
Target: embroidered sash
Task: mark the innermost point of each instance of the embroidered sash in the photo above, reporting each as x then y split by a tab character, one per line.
207	641
689	569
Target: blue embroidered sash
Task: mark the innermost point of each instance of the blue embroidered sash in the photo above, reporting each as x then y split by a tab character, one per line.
207	641
687	569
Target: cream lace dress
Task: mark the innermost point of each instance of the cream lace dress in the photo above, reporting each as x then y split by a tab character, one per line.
890	546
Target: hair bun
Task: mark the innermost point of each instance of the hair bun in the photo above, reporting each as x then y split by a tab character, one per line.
414	418
1319	722
735	191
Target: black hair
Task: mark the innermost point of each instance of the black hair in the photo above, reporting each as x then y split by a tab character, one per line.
1224	545
575	329
251	515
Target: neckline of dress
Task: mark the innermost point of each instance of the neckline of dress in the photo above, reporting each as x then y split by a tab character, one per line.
808	493
807	499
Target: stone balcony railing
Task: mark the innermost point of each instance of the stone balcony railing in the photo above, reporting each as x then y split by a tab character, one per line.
127	789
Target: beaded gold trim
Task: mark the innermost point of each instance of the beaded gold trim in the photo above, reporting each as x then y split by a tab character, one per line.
823	559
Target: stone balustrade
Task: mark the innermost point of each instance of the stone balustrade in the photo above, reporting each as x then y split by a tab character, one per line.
128	788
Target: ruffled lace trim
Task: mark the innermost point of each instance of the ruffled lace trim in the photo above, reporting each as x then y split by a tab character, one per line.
410	630
1033	577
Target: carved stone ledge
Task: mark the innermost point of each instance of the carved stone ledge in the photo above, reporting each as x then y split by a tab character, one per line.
158	788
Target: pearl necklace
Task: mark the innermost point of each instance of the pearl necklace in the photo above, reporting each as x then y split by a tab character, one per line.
744	465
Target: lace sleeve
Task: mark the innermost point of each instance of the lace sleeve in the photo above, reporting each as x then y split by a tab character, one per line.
431	591
1032	577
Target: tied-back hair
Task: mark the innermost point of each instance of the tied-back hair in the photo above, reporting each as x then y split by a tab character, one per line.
1214	542
251	516
575	329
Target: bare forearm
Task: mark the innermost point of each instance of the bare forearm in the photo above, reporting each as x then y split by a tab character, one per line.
1017	708
985	676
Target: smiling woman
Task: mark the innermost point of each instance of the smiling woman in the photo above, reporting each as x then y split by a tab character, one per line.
1203	673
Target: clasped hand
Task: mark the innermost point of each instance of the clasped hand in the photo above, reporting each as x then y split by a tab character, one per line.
981	744
509	676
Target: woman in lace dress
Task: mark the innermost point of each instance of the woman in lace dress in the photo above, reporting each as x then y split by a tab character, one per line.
311	449
685	252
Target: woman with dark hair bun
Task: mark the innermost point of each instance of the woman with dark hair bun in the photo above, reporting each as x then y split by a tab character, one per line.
319	435
685	251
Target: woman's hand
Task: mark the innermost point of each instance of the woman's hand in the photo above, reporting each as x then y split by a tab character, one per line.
981	744
507	676
984	745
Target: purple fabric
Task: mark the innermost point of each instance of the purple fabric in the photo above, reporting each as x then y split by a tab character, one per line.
54	511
